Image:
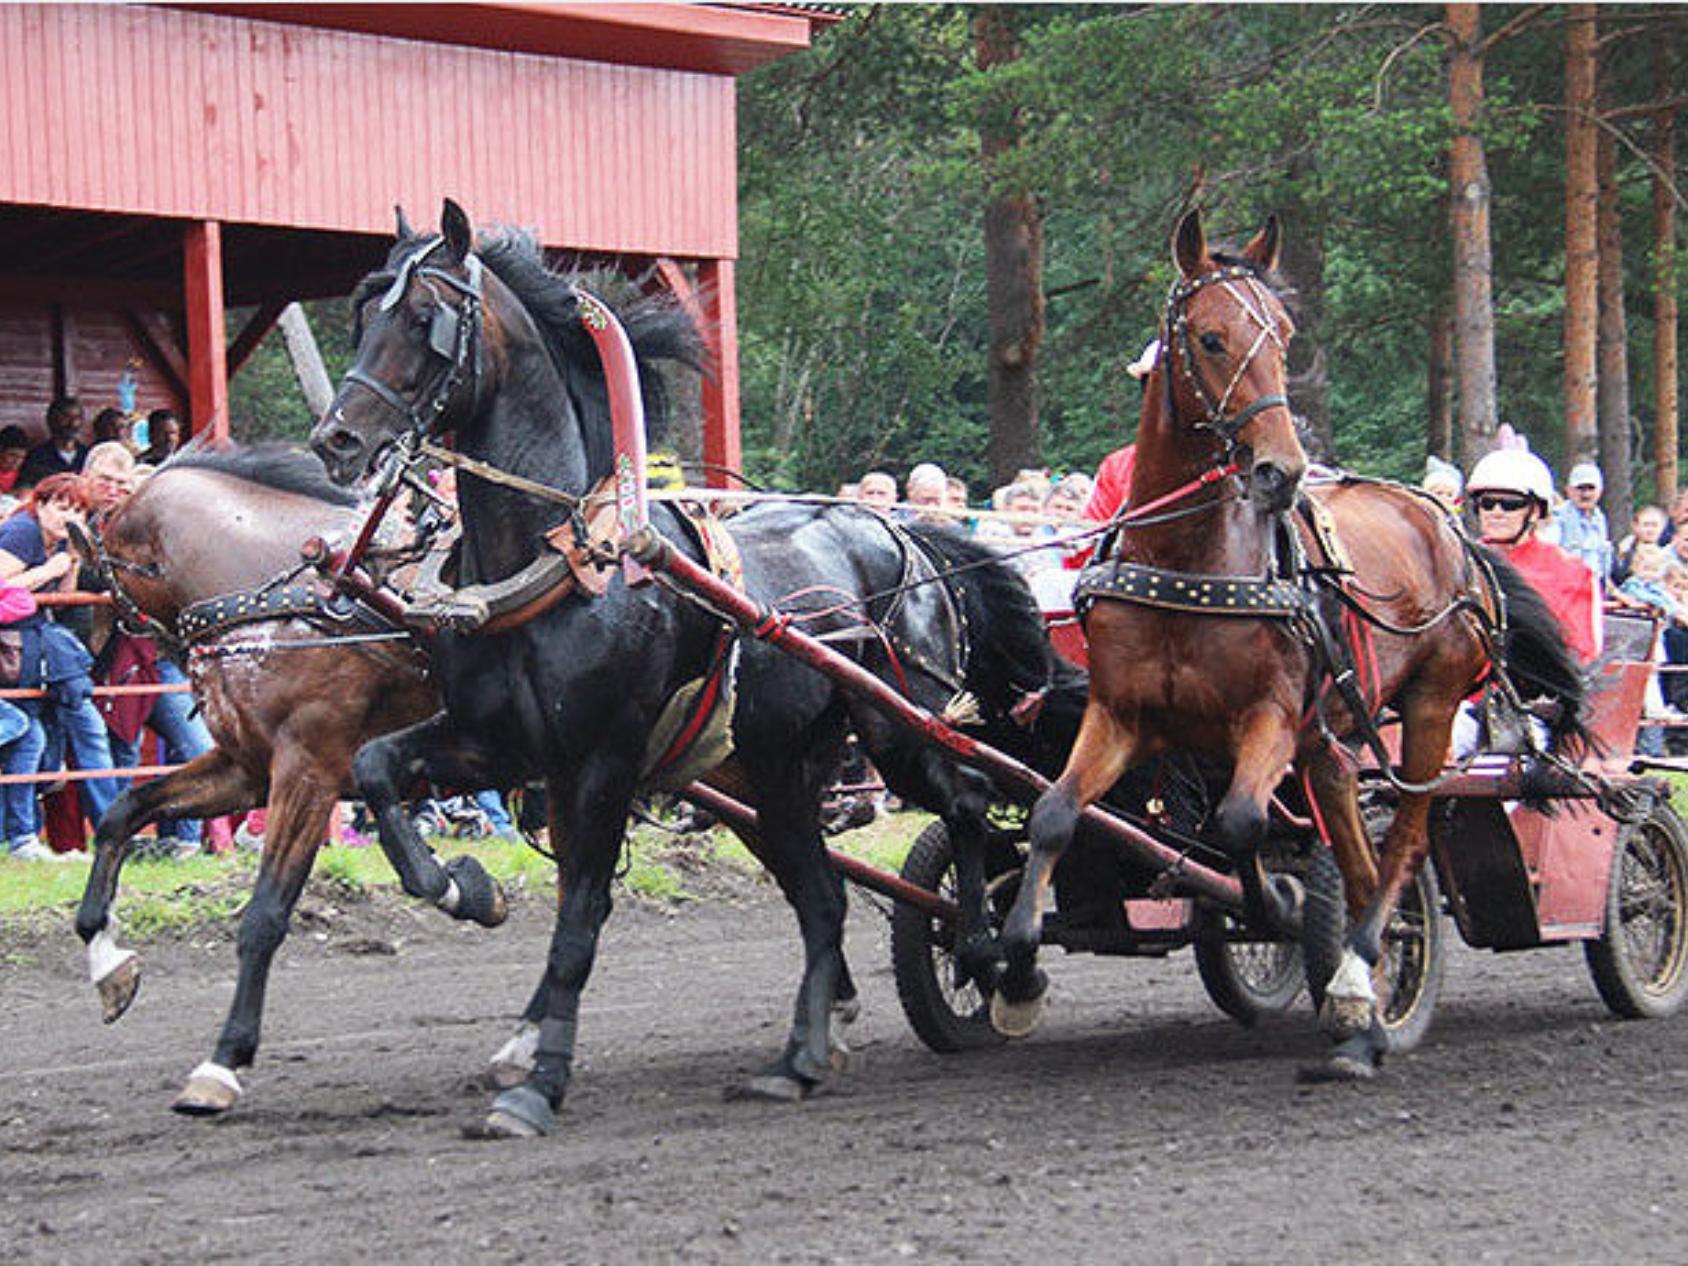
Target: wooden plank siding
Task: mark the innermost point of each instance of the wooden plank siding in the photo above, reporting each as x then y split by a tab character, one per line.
201	116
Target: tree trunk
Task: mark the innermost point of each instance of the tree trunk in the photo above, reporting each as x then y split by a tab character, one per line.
1309	370
308	368
1665	403
1468	179
1615	421
1013	266
1439	432
1582	251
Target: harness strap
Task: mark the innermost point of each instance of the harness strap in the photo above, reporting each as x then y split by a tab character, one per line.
1251	597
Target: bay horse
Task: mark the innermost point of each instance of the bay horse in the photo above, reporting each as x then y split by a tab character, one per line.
287	701
487	346
1203	638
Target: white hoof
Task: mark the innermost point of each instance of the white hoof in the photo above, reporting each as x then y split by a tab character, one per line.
1015	1019
514	1060
1343	1018
118	986
211	1091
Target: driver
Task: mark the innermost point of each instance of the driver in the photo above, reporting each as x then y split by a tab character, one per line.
1511	491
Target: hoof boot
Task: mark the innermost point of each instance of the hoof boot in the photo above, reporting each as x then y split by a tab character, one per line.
520	1113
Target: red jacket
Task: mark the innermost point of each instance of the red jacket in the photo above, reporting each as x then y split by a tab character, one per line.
1113	482
1565	584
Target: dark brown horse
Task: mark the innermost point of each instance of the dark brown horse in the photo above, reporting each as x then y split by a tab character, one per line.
1180	659
287	710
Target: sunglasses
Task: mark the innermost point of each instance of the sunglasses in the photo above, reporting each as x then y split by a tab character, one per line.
1495	501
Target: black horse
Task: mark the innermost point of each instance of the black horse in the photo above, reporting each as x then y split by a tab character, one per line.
489	346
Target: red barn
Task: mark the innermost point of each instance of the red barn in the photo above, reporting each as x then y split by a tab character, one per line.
161	162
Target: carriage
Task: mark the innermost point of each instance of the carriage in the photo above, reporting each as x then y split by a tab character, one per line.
1603	863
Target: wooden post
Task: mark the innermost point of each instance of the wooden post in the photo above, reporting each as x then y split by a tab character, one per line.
722	448
208	382
64	359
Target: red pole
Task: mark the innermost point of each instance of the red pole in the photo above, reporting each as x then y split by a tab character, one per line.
1188	876
208	380
742	818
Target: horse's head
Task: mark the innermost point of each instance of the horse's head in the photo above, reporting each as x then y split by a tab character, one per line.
1226	338
420	349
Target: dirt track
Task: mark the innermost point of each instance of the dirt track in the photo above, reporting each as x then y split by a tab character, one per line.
1138	1125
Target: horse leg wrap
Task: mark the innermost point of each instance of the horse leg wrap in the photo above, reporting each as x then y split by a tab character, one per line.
513	1061
478	895
115	972
520	1113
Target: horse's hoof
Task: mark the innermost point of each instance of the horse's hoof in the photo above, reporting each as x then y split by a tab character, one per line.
478	895
211	1091
520	1113
1345	1018
514	1060
770	1087
1015	1019
118	987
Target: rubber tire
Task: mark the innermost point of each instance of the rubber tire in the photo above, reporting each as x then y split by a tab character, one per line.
922	957
1630	989
1419	956
1226	974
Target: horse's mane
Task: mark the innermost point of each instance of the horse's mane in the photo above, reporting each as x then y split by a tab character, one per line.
283	467
657	326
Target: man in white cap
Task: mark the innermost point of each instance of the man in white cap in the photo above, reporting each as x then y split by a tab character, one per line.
1582	523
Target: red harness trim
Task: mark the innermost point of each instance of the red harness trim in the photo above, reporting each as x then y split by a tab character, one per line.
701	711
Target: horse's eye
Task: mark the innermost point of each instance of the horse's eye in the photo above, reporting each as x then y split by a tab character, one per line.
1212	343
423	319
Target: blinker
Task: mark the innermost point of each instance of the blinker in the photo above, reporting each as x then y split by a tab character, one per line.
442	331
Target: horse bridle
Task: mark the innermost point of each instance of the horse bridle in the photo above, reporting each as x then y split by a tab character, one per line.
130	618
453	335
1177	338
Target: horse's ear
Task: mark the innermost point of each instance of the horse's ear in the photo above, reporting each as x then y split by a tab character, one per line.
454	227
403	232
1262	249
1189	244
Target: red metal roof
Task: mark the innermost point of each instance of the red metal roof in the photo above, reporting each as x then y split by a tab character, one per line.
202	116
717	39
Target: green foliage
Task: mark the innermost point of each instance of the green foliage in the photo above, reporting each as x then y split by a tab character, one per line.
862	303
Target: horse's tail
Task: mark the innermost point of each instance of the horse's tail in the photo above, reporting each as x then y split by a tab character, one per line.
1539	660
1009	657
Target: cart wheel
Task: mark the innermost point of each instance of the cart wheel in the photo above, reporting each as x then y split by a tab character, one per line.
947	1014
1413	949
1249	981
1639	964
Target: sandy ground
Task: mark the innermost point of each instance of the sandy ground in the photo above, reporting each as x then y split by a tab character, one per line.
1137	1125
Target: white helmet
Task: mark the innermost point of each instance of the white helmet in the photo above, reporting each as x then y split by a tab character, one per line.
1512	470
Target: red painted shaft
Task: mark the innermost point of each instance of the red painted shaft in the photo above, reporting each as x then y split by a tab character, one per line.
741	817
